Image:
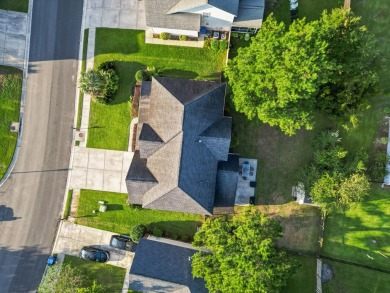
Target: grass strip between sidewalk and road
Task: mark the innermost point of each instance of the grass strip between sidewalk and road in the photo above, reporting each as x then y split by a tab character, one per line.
10	93
14	5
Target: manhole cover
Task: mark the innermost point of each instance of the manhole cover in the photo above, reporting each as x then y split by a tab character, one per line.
81	134
13	127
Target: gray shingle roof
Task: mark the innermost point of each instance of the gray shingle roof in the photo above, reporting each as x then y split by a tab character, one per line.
183	5
227	178
195	135
250	14
163	267
230	6
156	16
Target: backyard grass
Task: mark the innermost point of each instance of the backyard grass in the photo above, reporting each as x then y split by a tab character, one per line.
10	92
109	276
351	279
14	5
363	234
109	124
304	281
121	218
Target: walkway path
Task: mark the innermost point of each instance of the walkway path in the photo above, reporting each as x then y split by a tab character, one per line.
98	169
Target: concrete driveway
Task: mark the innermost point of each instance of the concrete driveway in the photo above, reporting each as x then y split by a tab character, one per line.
13	32
126	14
72	238
99	169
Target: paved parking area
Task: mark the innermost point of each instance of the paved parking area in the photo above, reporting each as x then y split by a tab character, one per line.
72	238
13	32
126	14
99	169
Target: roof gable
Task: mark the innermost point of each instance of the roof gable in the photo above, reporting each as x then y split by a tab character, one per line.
183	5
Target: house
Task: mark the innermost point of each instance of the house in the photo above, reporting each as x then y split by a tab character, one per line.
163	265
181	160
187	17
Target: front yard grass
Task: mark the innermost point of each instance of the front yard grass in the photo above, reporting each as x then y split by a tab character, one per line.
10	93
362	235
14	5
109	124
352	279
109	276
121	218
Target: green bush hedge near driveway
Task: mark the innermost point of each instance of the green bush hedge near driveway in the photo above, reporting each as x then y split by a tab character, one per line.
10	93
109	123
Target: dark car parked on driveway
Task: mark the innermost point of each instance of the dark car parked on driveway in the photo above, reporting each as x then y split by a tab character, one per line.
121	242
94	254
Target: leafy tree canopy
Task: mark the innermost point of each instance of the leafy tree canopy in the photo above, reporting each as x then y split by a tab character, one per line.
286	75
335	179
243	256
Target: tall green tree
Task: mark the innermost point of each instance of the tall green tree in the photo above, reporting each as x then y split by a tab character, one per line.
243	256
286	75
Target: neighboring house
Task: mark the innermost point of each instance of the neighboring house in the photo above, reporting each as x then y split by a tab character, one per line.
186	17
164	266
182	161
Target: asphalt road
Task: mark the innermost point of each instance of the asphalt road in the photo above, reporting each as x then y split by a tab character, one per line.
31	199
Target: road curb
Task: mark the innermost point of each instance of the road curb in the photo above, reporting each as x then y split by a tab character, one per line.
23	96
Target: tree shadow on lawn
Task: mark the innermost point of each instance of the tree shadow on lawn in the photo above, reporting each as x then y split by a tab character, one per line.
178	73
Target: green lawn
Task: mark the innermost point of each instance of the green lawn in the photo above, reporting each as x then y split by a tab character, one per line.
351	279
110	123
109	276
350	237
304	281
10	92
120	218
15	5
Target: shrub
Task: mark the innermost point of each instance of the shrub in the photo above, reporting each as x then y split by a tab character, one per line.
206	44
157	232
137	233
141	75
107	65
174	236
153	71
377	169
165	36
183	38
185	238
93	82
214	45
386	110
384	140
112	86
235	35
223	45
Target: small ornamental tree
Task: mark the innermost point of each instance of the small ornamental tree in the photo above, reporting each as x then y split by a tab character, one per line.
93	82
137	233
242	256
141	75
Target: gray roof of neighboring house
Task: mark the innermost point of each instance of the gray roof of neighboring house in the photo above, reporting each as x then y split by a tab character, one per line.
163	267
156	16
230	6
187	116
183	5
227	178
250	14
